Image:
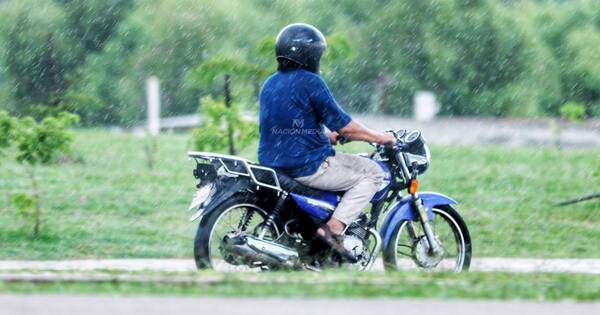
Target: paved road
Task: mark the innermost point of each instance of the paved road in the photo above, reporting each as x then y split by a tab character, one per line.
587	266
114	305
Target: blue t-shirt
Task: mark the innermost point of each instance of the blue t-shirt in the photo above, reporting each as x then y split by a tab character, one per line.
295	106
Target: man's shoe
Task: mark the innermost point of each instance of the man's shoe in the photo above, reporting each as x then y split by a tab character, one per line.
336	241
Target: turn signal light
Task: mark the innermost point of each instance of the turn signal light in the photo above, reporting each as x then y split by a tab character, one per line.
414	185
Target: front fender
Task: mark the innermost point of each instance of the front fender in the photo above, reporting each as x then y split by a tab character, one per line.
405	210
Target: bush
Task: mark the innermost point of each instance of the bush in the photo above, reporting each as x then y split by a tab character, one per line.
572	111
36	143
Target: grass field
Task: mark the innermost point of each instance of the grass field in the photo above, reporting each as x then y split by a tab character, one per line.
111	205
344	285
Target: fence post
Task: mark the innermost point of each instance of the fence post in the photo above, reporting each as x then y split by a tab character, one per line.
153	100
425	106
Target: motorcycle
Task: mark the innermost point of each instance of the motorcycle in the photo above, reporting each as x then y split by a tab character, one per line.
253	217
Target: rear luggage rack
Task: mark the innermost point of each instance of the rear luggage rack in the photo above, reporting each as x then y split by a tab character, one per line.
241	167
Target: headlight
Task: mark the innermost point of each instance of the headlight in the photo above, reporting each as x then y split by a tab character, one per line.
417	155
415	159
414	152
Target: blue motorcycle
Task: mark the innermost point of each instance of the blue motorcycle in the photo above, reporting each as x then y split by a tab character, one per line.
253	217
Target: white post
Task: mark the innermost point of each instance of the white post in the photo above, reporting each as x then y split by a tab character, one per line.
153	100
425	106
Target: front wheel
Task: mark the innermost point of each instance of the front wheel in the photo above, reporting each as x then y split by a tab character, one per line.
409	249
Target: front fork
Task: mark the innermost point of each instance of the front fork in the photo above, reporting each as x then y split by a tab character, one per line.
434	246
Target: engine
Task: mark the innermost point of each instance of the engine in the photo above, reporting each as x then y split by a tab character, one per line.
356	234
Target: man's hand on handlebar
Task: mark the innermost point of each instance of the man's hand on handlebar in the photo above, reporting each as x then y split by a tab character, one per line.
333	137
356	131
386	139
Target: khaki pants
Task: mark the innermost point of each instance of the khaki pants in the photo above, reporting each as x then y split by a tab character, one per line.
358	176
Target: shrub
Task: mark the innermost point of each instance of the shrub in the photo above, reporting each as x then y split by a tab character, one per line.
572	111
39	143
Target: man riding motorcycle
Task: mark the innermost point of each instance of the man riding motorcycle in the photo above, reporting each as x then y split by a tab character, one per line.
295	107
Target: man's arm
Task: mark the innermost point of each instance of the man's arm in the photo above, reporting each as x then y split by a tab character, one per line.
334	118
357	131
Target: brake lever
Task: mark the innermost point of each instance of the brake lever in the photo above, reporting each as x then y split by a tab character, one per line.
393	132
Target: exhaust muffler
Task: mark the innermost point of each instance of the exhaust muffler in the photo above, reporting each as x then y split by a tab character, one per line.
247	249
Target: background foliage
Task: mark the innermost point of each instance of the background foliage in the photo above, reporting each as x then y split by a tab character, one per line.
492	58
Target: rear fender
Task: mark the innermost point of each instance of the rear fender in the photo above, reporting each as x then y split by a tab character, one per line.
226	188
405	210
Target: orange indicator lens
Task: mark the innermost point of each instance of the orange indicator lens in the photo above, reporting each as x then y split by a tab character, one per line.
414	185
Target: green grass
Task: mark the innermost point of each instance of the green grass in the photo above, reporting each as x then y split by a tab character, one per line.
346	285
113	206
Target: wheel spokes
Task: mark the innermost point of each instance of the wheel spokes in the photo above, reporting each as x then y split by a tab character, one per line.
447	234
236	219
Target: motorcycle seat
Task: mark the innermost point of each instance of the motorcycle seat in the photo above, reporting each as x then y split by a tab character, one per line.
289	184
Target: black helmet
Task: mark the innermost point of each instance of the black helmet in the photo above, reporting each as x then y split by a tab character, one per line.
301	43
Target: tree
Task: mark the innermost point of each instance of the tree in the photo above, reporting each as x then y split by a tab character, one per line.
6	128
470	53
222	128
103	92
45	43
210	74
582	77
36	55
91	23
224	117
480	57
109	91
39	143
176	41
570	31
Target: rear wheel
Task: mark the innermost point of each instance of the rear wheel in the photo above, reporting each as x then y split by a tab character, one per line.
240	213
408	249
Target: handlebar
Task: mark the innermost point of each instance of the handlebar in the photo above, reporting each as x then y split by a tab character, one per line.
342	140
